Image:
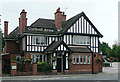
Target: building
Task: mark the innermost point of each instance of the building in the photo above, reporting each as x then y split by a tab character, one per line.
76	39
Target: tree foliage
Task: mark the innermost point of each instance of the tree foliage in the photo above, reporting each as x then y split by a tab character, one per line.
103	47
108	51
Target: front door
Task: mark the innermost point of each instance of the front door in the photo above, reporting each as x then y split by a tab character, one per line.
59	64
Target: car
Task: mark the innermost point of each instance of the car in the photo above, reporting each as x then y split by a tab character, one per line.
106	63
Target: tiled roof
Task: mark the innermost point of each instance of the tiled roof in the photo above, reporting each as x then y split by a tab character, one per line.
82	49
13	34
54	45
49	23
45	23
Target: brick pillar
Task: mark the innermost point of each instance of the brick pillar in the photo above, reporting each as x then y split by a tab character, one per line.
35	69
27	66
13	68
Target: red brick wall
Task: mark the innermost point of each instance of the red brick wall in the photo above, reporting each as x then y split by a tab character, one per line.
11	46
81	68
97	64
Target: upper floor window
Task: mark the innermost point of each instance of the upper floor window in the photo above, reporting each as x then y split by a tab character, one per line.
38	40
81	40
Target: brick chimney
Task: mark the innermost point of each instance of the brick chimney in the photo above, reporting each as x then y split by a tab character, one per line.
22	21
59	17
5	28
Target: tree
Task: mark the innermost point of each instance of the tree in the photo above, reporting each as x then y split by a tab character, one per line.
103	47
109	52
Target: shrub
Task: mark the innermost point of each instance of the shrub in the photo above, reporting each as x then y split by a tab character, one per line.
44	67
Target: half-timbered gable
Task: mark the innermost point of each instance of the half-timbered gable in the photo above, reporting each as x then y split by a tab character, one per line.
79	30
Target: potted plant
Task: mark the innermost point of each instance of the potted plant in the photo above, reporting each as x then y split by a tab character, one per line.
13	60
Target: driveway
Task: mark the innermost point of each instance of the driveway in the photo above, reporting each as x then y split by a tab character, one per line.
109	73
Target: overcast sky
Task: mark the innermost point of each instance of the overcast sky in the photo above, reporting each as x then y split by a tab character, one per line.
102	13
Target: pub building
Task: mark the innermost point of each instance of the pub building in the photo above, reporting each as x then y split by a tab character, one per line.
74	43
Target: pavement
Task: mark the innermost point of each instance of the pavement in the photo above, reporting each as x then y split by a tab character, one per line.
109	73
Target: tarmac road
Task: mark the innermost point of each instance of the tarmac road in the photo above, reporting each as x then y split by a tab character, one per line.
109	73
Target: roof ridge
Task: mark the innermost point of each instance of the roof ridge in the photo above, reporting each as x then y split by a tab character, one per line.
46	19
13	30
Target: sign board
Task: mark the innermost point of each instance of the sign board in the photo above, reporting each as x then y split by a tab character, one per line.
40	29
14	67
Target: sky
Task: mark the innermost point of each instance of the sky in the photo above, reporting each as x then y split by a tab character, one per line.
102	13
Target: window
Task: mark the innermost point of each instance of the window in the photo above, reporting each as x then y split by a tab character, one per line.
74	59
81	40
81	59
37	58
77	59
38	40
84	59
88	60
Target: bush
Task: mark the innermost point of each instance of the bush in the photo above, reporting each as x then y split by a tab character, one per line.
44	67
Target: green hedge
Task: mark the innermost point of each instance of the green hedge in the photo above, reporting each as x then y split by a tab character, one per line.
44	67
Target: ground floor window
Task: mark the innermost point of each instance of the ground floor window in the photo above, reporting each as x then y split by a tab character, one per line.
79	59
38	58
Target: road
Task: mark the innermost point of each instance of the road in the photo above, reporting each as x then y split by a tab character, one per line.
109	73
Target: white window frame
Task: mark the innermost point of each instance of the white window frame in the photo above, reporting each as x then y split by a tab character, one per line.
81	40
34	40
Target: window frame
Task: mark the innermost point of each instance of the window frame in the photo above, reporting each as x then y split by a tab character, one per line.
81	59
38	40
83	40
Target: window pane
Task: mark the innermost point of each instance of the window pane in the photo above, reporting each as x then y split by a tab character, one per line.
37	58
88	60
84	59
40	58
83	40
42	40
77	59
81	59
33	39
74	59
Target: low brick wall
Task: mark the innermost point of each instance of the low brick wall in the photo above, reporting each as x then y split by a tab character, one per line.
23	73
